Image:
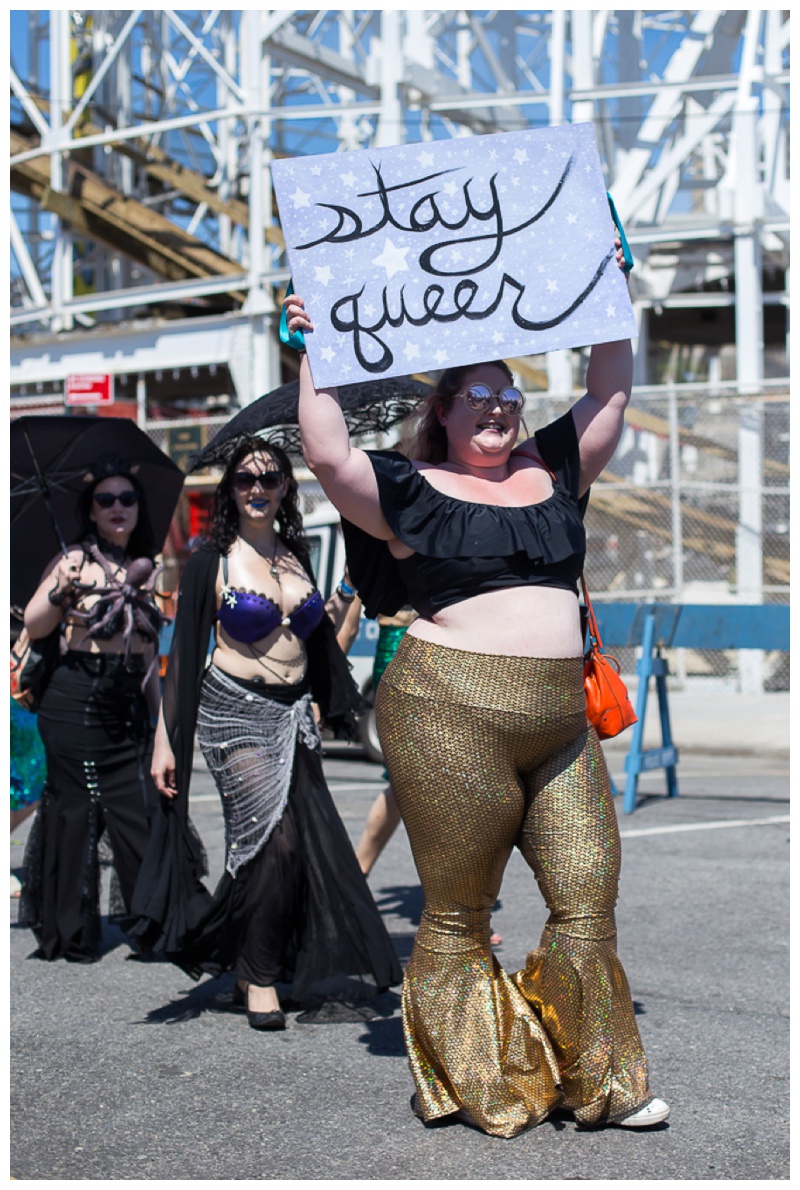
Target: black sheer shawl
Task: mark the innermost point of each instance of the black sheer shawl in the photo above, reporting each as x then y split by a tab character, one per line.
170	898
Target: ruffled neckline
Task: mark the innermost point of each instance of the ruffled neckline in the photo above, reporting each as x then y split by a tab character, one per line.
440	526
479	504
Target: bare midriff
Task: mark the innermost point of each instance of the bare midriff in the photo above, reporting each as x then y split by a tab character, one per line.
78	640
279	659
530	621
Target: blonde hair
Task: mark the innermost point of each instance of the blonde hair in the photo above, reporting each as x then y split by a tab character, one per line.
422	435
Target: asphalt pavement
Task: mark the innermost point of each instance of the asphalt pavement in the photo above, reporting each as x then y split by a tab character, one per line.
128	1070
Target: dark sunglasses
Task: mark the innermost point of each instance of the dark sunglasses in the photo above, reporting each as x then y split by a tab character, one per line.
243	481
109	499
480	399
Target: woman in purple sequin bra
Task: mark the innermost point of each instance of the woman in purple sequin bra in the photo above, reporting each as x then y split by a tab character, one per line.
292	905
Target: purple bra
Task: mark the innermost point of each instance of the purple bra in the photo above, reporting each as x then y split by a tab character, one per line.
248	617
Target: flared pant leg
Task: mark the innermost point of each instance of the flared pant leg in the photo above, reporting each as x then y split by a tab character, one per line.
574	980
471	741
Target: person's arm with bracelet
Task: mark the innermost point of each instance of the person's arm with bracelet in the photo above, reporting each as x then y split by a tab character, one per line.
53	595
340	605
600	414
344	472
347	633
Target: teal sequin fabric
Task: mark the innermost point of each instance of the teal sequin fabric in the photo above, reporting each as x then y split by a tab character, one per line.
28	763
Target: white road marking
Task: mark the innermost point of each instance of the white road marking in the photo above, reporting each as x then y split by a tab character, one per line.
704	826
335	787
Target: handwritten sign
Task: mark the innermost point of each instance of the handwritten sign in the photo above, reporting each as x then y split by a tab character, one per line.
452	252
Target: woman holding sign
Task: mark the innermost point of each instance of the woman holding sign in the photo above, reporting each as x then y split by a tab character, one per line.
482	719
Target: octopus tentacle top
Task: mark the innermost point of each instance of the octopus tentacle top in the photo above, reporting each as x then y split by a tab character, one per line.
486	753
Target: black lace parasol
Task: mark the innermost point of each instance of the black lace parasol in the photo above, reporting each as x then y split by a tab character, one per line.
369	408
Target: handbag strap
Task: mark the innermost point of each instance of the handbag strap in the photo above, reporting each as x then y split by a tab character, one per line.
594	631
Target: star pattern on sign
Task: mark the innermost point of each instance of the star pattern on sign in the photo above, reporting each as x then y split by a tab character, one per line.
392	258
527	166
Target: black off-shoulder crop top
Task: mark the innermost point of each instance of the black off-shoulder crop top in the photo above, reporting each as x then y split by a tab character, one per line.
462	548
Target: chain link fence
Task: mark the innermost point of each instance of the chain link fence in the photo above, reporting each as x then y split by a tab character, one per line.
693	508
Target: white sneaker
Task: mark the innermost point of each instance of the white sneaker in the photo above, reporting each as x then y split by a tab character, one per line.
654	1112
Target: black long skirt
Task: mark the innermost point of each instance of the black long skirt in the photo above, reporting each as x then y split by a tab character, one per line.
96	730
300	911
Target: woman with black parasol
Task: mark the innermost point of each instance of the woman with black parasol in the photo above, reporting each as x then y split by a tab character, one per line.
292	904
96	715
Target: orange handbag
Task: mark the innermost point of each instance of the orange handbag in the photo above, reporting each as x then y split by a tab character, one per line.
608	707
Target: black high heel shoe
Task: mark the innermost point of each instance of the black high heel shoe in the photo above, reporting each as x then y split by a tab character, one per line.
275	1019
239	996
266	1020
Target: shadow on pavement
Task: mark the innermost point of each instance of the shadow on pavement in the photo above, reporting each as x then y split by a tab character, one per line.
403	900
385	1038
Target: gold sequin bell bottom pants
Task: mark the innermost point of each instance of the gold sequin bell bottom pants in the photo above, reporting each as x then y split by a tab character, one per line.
485	753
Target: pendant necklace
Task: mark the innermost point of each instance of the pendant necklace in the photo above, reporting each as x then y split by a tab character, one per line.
273	570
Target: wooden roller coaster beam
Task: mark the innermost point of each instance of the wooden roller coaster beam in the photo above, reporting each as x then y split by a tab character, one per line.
124	224
704	532
158	164
640	419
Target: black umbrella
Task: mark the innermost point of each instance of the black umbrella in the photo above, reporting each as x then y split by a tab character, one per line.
369	408
50	458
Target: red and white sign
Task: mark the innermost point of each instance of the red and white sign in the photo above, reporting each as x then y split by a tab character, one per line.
89	388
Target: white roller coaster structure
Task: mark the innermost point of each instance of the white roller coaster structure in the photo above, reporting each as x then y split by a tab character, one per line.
143	231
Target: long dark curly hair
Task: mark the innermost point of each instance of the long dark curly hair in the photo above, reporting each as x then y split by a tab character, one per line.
224	527
422	436
142	542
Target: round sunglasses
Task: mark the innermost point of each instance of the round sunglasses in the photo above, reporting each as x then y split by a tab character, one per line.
109	499
243	481
480	399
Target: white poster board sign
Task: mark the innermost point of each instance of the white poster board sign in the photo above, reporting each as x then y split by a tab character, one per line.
451	252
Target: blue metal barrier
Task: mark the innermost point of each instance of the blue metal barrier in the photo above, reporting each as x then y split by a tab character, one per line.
657	626
654	627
